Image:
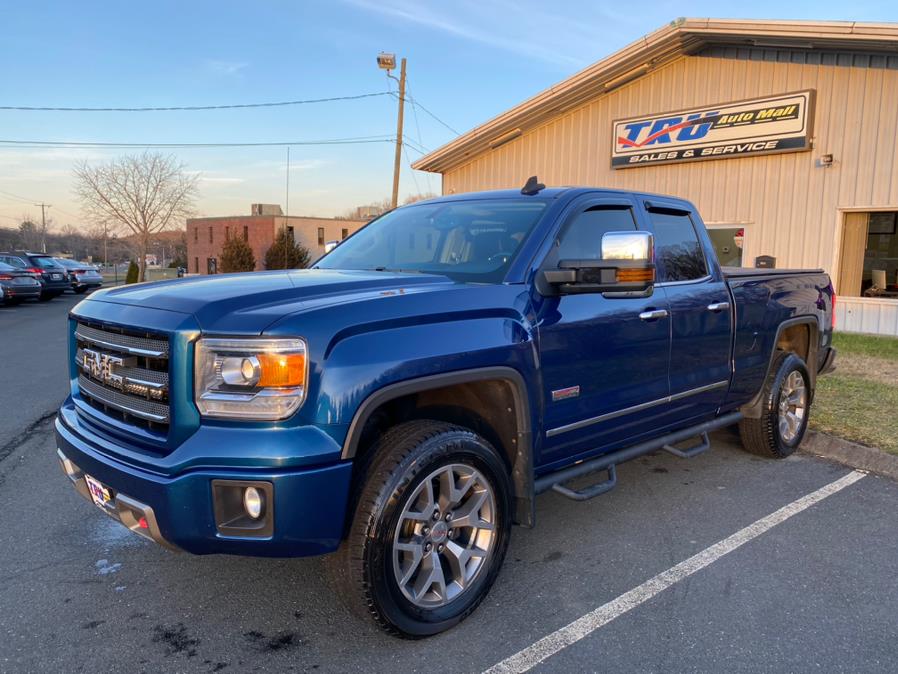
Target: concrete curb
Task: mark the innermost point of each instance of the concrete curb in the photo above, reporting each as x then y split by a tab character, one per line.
851	454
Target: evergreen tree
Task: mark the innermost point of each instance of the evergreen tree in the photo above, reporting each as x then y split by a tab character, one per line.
133	273
285	253
237	256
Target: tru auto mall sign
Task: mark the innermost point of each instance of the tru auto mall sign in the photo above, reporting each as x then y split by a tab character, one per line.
757	126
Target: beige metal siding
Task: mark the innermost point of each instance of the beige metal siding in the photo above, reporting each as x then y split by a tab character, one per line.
787	203
872	315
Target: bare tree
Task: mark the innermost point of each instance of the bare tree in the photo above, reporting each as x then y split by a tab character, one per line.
143	193
412	198
29	234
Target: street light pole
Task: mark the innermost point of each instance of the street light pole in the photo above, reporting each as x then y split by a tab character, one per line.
398	158
387	62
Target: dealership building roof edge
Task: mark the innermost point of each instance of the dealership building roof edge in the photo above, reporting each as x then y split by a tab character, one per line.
681	37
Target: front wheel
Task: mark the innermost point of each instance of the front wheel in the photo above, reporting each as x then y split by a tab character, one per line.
786	404
430	530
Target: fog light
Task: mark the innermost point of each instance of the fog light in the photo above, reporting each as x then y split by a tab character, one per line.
252	502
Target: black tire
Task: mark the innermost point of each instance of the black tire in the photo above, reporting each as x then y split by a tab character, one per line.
80	291
45	297
362	569
763	436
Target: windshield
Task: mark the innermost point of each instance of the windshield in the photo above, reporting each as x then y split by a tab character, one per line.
473	241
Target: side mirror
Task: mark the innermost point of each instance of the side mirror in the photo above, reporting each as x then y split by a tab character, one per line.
627	268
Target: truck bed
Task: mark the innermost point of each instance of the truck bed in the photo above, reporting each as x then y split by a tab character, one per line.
745	272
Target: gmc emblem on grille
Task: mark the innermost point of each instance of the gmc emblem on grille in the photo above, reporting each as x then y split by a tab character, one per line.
100	366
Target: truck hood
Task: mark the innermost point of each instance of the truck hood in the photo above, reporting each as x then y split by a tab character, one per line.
248	303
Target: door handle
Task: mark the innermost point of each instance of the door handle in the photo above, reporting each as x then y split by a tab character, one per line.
653	314
718	306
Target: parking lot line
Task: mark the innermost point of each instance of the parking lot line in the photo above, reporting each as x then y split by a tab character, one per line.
551	644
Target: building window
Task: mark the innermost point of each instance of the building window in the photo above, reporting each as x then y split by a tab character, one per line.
728	242
196	265
869	256
227	233
344	233
211	265
245	233
196	234
210	233
321	236
290	233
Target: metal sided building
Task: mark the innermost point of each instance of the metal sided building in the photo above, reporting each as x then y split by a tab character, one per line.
784	134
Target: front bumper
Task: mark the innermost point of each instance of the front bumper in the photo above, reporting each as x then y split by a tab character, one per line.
309	503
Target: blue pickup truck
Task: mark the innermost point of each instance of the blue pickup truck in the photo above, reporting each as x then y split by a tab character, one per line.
402	403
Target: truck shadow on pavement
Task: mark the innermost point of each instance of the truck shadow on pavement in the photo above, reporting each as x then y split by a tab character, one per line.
79	589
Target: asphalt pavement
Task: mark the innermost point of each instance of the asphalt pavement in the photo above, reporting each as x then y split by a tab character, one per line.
814	591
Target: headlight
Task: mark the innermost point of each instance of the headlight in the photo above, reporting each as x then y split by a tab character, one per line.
261	379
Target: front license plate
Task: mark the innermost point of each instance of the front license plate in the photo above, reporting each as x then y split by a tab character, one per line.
100	494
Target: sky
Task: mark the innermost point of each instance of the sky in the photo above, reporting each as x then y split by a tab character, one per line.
468	61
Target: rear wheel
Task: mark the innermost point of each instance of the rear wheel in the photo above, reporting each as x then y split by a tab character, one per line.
786	404
46	297
430	530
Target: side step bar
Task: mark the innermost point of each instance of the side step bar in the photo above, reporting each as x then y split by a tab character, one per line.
608	462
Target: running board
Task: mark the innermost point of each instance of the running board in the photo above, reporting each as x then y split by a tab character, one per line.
608	462
704	444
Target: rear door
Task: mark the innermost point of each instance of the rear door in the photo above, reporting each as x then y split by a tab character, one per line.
604	361
701	315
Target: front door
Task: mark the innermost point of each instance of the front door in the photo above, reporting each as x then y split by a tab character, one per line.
604	361
700	312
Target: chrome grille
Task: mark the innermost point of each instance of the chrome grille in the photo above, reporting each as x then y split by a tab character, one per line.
124	373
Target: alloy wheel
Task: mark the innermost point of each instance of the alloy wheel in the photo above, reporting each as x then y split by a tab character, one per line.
445	535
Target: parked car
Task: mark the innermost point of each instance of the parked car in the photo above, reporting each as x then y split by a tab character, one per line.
404	401
52	277
17	284
82	276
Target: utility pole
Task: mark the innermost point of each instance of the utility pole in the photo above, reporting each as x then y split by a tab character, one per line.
44	208
387	61
398	157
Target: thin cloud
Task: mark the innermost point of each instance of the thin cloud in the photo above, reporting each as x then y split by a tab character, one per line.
418	14
225	67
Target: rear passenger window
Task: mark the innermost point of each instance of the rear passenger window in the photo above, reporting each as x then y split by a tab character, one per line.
678	251
582	239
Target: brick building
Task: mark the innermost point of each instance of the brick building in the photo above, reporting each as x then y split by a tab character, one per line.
207	236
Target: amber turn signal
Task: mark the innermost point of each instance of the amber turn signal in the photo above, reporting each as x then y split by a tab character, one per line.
282	369
635	275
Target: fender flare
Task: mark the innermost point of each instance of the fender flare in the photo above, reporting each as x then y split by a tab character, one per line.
522	463
753	409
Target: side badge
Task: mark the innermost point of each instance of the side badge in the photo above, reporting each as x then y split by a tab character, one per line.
565	393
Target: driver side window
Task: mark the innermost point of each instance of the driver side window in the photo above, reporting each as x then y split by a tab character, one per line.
582	238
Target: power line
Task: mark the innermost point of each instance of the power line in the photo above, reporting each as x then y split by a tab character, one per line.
416	102
34	144
17	196
411	170
31	203
274	104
